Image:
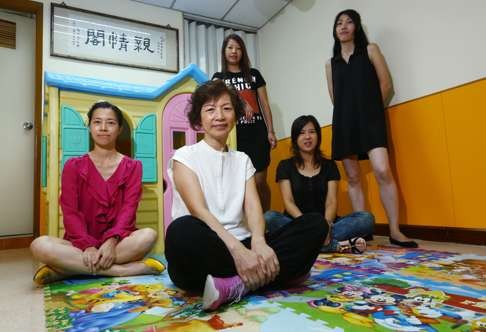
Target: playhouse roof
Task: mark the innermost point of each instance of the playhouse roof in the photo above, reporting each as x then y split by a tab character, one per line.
122	89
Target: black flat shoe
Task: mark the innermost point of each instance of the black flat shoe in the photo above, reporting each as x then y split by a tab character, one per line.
404	244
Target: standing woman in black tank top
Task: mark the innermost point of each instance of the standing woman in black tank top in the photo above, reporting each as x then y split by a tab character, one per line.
359	84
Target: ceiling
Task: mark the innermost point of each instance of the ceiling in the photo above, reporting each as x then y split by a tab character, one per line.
249	14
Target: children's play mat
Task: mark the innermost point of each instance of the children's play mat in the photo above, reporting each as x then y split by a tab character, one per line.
385	289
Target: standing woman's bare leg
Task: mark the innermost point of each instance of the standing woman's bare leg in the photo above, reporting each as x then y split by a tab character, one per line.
355	190
388	190
263	189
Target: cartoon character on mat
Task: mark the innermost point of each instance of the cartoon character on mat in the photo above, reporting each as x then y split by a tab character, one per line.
373	302
384	310
419	310
424	304
114	314
113	305
344	294
471	271
479	325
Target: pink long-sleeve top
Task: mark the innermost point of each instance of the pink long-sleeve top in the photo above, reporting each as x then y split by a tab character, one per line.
95	209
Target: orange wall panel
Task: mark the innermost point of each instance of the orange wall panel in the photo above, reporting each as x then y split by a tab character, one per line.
420	163
344	204
465	123
282	151
437	152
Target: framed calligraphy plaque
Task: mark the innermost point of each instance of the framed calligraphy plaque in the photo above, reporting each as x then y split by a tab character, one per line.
89	36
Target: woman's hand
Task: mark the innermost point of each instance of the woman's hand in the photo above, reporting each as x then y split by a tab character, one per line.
248	267
91	257
272	139
267	258
107	254
248	111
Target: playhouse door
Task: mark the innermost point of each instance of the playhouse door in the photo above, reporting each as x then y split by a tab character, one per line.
17	67
177	133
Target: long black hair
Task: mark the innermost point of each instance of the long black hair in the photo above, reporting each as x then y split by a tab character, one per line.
297	126
360	39
245	64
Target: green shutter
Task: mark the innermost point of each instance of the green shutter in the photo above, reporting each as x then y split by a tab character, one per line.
145	138
74	134
43	161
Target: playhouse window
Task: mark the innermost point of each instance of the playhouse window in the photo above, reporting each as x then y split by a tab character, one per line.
199	136
178	139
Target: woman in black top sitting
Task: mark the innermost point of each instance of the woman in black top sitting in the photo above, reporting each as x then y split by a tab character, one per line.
308	183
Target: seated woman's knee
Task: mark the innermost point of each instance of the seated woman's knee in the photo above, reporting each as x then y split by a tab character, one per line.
179	232
148	236
174	229
365	216
366	219
41	248
317	221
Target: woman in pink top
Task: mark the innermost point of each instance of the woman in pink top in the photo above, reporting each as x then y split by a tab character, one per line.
100	195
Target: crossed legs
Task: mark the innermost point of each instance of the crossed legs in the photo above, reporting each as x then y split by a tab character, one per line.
66	259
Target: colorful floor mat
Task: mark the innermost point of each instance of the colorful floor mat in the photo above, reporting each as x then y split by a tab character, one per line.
386	289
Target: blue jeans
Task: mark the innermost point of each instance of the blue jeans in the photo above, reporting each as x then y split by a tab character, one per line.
356	224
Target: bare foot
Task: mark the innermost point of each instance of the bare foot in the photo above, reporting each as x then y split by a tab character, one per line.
133	269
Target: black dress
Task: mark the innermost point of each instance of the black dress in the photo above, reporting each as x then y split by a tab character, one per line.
358	122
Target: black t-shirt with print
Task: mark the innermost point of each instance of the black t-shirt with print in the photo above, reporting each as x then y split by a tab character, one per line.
309	192
251	135
246	90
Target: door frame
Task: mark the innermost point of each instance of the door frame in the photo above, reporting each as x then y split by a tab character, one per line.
36	8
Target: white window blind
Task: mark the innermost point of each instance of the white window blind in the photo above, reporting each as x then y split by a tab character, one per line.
202	45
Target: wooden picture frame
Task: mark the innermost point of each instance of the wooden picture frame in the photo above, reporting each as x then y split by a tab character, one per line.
95	37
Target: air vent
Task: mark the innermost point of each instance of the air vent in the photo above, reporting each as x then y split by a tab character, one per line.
7	34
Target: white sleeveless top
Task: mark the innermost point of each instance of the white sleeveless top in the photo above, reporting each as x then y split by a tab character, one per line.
223	177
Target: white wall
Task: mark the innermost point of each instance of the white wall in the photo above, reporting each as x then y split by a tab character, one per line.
122	8
429	46
203	45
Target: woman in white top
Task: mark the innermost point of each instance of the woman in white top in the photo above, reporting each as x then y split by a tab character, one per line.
217	241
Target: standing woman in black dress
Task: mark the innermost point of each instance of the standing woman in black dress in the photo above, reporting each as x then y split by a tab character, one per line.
359	84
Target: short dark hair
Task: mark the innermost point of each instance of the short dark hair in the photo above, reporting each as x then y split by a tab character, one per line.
297	126
360	39
105	104
208	91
